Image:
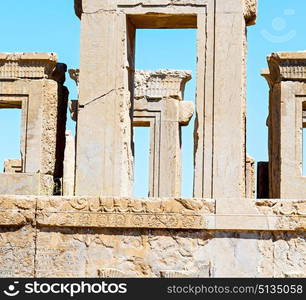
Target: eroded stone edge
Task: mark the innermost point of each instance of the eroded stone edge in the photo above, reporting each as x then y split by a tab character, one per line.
152	213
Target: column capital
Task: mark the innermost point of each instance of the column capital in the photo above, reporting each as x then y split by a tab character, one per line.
287	66
161	84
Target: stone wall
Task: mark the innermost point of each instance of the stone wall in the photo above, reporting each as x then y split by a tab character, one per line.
113	237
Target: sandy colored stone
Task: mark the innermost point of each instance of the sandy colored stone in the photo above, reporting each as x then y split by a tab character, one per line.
287	98
221	215
224	104
163	253
12	166
122	213
33	82
69	165
112	94
104	152
81	251
26	184
161	84
17	251
106	233
27	65
250	178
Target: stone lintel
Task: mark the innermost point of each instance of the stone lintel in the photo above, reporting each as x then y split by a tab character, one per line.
286	66
249	9
27	65
155	213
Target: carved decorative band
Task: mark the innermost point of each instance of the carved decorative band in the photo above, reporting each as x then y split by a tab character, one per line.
31	69
296	72
152	213
117	220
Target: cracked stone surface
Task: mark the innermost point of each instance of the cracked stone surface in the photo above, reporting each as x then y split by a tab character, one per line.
32	248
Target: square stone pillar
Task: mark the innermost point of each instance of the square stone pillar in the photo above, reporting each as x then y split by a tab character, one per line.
287	110
104	160
220	154
159	105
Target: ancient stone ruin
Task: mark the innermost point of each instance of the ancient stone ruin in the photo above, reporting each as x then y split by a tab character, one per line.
67	209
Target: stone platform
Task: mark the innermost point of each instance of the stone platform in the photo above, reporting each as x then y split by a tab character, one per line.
42	236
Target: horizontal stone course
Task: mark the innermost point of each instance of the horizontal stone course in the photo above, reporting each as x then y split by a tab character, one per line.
154	213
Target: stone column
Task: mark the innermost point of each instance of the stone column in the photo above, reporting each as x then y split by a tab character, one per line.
287	106
104	157
220	154
69	165
250	177
33	82
104	160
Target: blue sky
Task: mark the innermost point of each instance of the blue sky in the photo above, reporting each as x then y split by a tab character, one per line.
51	26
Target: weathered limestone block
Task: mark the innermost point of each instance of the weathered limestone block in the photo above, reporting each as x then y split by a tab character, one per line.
287	98
90	6
26	184
224	106
69	165
123	253
17	210
17	236
260	214
288	252
222	214
124	213
134	253
28	82
239	254
166	253
17	251
104	144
